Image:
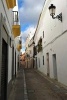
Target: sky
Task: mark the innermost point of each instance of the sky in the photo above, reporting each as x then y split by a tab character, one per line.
29	11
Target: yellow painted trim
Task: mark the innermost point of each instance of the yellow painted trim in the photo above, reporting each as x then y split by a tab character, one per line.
11	3
19	47
16	30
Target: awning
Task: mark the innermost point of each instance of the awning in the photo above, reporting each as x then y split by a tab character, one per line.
16	30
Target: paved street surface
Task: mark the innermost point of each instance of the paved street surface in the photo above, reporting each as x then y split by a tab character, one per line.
32	85
17	92
39	88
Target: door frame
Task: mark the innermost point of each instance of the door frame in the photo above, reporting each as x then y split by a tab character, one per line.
6	70
48	69
54	67
3	35
15	63
12	62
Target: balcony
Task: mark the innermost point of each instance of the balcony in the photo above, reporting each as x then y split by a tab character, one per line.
16	26
19	47
16	30
11	3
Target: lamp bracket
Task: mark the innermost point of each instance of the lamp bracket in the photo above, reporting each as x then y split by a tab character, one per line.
59	17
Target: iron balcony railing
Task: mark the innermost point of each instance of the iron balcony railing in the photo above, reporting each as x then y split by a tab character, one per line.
16	26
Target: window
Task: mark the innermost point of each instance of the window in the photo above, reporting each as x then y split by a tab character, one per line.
43	60
43	34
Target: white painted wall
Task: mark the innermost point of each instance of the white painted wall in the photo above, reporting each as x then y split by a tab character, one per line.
9	63
16	42
17	53
53	42
8	18
7	14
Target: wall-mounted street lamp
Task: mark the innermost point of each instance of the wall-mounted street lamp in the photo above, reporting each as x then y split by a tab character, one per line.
52	10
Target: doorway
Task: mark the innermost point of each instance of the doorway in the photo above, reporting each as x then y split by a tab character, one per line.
15	63
36	63
39	62
54	66
48	70
12	63
4	70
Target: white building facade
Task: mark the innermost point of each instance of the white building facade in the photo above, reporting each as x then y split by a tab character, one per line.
52	59
29	53
8	52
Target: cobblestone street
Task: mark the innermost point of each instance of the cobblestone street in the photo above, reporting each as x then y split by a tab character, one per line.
36	86
40	88
17	92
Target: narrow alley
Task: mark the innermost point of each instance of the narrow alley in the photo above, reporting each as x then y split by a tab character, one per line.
38	87
33	50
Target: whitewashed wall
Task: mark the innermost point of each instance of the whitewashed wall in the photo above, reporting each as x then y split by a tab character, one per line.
7	13
9	63
16	42
8	18
17	53
53	42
